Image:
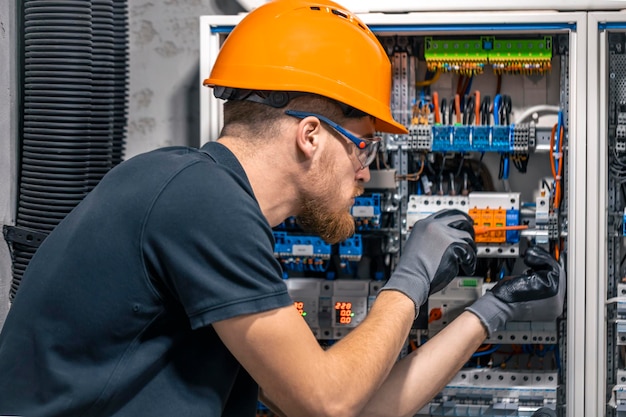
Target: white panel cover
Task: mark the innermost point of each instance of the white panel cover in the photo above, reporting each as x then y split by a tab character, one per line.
366	6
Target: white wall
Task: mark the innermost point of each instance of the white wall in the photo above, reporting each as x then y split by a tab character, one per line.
164	76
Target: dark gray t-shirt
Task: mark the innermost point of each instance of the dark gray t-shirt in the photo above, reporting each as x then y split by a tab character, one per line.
113	316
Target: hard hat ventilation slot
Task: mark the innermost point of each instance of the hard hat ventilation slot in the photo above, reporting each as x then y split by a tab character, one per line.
339	13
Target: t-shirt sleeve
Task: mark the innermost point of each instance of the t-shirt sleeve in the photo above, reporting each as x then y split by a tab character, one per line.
208	242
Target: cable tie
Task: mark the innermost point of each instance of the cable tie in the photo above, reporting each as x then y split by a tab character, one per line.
558	178
557	155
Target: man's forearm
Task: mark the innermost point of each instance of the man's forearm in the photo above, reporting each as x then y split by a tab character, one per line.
417	378
306	380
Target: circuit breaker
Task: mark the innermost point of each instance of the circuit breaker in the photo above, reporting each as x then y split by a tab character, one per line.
492	105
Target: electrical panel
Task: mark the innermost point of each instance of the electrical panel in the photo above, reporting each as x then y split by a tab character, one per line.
487	115
491	110
607	285
616	207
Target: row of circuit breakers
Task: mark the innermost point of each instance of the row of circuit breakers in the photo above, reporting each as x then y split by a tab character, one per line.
460	119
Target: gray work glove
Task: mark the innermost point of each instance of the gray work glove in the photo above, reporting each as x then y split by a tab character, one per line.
437	246
537	295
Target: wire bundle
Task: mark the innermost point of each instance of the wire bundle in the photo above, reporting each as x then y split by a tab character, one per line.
74	95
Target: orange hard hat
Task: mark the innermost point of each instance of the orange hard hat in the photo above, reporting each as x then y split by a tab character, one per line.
311	47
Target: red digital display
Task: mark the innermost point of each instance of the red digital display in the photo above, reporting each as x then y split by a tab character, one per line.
300	307
343	312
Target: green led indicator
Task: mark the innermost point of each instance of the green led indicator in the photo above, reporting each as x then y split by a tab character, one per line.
351	314
469	283
303	313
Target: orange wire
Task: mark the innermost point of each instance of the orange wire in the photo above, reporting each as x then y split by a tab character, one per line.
436	106
457	107
552	167
483	348
560	173
416	175
557	176
422	158
558	248
479	230
557	251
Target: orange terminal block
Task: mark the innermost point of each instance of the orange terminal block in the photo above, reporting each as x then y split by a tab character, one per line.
490	225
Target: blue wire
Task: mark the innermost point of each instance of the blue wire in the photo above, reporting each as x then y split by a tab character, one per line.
558	137
496	109
469	85
557	141
320	266
505	168
508	358
348	268
486	352
557	357
541	353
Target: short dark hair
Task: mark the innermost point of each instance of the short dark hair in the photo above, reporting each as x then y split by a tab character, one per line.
250	118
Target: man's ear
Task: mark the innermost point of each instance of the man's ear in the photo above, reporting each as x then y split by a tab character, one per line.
308	136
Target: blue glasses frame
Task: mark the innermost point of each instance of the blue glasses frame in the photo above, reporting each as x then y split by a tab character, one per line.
366	148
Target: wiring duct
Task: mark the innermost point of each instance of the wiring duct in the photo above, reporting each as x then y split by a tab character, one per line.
74	105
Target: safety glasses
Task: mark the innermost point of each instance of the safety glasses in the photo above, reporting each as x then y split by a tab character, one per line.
366	148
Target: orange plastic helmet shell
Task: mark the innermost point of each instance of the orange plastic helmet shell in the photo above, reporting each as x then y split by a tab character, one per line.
313	47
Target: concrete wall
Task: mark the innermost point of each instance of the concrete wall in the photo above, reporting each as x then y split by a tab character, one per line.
8	142
163	97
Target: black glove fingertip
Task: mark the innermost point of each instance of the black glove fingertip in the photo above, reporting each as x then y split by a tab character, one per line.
464	225
538	258
466	256
471	243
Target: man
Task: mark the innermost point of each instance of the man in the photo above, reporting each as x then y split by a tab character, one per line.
159	294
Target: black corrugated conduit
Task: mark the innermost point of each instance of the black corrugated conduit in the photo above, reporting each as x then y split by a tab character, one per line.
74	91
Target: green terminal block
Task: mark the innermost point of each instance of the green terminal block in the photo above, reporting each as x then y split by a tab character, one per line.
469	282
521	55
538	49
458	55
505	55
